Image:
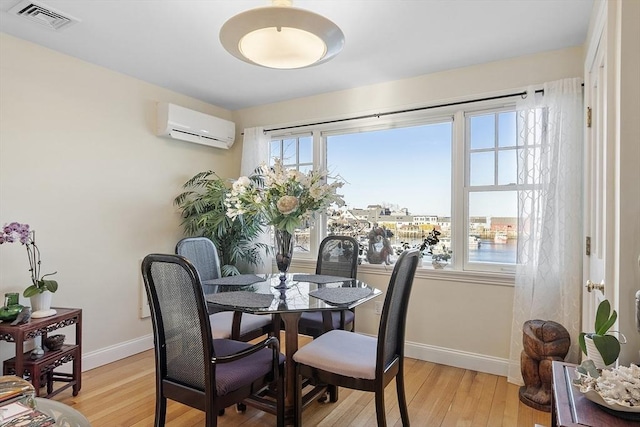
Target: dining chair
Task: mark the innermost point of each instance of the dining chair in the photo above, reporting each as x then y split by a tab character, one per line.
337	256
192	367
346	359
203	254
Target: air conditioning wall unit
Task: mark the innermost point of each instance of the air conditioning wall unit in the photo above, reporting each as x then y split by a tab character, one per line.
193	126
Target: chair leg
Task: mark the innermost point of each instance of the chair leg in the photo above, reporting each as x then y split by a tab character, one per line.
280	401
211	417
402	400
380	413
333	393
297	401
161	410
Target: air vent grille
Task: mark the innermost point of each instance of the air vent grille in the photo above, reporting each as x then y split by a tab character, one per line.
42	14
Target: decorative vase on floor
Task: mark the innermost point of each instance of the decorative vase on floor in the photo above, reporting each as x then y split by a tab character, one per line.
284	253
41	305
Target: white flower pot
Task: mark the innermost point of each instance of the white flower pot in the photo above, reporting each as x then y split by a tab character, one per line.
41	304
594	355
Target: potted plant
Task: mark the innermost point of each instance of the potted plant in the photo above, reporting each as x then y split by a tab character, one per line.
440	259
40	289
600	346
204	214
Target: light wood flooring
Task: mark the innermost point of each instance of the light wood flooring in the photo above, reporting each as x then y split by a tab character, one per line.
122	394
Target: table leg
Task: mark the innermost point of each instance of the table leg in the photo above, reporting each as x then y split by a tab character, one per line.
77	362
290	320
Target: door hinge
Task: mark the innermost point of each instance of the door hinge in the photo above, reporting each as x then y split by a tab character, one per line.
588	245
588	117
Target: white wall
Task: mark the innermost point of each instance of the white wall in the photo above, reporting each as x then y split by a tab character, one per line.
80	163
456	321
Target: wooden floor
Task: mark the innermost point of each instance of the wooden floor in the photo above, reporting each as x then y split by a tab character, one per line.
122	394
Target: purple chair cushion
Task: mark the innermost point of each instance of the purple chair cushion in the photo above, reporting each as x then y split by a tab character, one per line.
313	319
231	376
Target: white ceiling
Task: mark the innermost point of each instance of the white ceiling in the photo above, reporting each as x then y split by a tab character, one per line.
174	43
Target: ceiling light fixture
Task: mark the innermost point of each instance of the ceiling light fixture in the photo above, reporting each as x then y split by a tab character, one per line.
281	36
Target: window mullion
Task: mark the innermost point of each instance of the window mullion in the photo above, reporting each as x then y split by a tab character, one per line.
459	179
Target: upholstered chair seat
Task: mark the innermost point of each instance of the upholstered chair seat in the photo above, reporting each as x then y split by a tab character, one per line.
342	352
222	324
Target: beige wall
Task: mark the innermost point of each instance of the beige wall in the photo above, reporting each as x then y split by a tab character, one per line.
458	321
79	162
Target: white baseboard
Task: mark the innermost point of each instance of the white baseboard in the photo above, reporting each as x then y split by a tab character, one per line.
457	358
429	353
116	352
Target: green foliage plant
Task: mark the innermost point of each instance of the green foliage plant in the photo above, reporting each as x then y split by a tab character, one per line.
204	213
608	345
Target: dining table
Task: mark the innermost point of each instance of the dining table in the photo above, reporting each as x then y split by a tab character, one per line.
286	298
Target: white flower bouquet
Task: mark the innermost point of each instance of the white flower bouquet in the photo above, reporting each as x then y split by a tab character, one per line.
284	198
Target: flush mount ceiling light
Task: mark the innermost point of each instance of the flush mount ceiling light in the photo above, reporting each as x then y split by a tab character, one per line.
281	36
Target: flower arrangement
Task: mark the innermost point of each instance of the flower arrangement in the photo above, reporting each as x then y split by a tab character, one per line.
284	198
20	232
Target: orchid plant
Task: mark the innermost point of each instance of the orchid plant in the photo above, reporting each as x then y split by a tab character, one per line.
16	232
284	198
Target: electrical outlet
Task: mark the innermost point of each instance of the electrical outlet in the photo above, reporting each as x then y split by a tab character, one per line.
378	308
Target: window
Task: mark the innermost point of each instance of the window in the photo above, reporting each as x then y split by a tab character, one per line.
491	190
398	184
406	180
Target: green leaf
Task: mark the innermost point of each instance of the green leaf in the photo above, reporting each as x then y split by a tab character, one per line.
608	324
49	285
583	346
602	315
608	346
31	291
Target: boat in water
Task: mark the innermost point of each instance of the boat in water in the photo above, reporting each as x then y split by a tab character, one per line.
500	237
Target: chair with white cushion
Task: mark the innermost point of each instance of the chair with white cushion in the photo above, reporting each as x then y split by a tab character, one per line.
346	359
203	254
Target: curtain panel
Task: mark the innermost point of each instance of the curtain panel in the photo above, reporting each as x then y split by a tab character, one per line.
550	175
255	152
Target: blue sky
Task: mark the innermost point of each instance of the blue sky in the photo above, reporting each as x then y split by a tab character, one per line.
407	167
410	167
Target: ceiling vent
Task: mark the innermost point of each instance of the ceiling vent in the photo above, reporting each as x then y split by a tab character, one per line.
43	14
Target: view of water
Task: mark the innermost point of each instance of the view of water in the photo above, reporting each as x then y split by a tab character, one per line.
487	250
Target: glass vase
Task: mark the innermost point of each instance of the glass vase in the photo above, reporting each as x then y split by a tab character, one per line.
284	253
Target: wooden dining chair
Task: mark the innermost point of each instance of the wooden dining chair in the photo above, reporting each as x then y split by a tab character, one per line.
203	254
356	361
192	367
337	256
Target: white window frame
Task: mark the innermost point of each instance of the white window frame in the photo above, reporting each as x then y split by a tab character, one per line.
467	189
460	268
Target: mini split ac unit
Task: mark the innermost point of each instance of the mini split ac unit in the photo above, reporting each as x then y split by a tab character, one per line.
189	125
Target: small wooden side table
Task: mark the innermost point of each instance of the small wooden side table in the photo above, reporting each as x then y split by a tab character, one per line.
570	408
43	368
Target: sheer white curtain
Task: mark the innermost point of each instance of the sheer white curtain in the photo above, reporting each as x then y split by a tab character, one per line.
255	151
549	274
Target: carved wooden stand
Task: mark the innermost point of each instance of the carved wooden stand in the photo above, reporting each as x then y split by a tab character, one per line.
41	371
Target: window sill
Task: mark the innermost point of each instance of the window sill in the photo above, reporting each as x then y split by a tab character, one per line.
429	273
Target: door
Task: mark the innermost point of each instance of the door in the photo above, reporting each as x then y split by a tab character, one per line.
599	184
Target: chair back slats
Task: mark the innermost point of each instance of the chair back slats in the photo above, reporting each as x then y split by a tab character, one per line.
338	256
394	312
181	323
203	254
